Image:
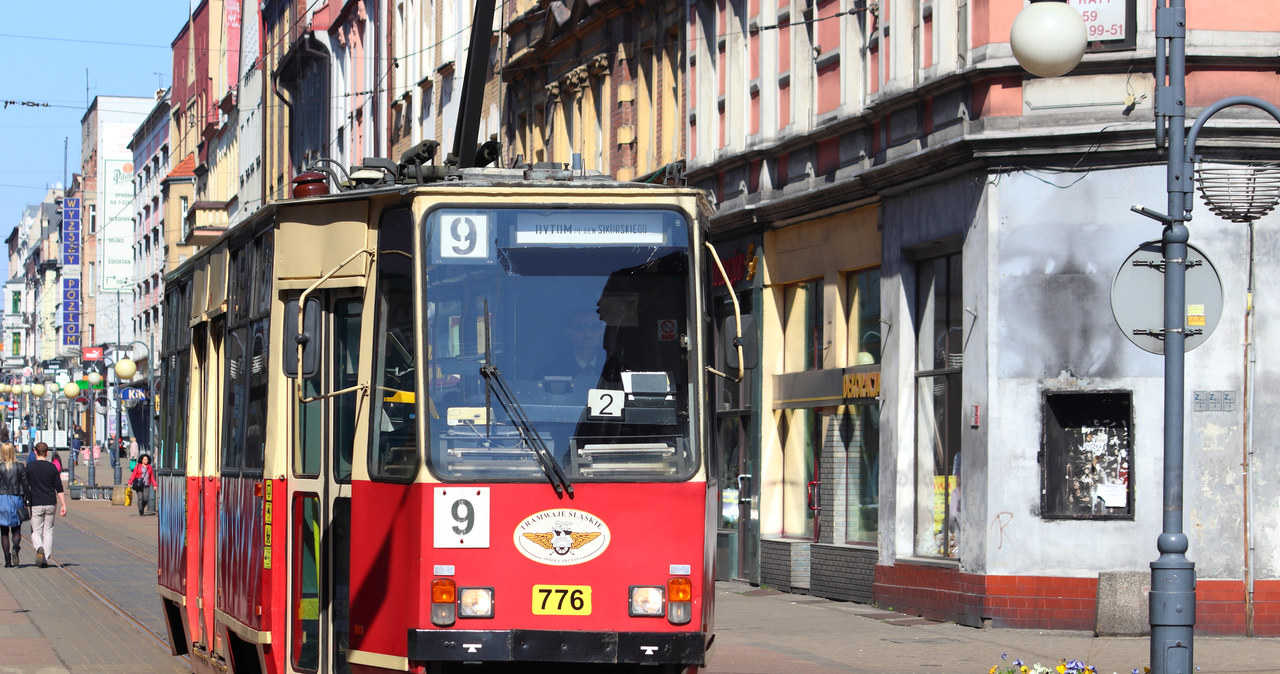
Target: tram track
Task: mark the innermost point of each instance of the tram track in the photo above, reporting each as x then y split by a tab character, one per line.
150	635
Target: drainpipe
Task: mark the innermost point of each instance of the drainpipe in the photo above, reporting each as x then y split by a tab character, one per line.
1247	459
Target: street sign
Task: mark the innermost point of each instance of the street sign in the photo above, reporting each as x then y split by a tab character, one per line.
133	394
1137	297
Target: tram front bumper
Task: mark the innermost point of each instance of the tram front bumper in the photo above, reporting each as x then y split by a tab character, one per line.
688	648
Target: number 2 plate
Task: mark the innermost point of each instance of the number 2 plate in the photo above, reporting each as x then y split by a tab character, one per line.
562	600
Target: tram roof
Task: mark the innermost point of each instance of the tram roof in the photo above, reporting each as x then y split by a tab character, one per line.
537	177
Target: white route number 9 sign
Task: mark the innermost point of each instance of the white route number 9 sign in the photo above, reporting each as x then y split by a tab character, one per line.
461	517
464	235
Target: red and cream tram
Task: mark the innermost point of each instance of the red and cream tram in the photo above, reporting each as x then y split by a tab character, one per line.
425	424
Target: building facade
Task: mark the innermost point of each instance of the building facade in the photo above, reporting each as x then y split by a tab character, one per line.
107	167
949	420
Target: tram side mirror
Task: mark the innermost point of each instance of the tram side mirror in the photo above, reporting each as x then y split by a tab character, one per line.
309	338
750	350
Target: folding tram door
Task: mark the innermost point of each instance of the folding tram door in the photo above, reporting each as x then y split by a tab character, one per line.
319	492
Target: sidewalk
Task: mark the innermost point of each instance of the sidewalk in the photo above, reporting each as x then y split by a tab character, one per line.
51	624
763	631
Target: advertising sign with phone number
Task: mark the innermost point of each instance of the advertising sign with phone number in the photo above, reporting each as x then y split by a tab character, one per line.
1104	20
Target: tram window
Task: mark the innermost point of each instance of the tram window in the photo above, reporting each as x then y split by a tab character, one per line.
255	432
394	454
340	535
233	419
305	630
347	315
588	336
307	455
263	251
344	326
248	348
182	378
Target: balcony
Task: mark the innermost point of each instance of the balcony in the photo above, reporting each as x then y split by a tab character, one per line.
205	221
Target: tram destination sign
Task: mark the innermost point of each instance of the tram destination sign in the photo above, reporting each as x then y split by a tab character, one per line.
592	229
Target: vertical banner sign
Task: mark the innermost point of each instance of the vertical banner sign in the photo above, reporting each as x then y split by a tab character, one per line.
71	297
115	243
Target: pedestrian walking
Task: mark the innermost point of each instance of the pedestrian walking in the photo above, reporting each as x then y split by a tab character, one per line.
133	452
77	440
45	493
13	496
142	477
113	451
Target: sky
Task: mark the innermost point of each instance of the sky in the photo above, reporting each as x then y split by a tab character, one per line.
58	56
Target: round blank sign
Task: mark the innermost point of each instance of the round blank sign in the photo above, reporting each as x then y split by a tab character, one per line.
1137	297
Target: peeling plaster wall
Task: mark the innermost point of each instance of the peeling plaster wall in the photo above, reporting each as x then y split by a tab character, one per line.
1040	254
1058	250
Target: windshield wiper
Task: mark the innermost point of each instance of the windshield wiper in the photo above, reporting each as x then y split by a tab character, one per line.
494	382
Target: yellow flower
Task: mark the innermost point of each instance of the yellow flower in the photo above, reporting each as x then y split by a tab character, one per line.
992	670
1062	669
1025	670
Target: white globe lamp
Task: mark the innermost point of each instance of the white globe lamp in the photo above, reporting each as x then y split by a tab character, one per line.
126	368
1048	38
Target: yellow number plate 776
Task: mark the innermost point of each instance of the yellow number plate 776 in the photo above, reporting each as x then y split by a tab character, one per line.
562	600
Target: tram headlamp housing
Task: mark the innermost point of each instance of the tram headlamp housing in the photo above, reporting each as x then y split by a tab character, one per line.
679	601
646	601
444	597
475	602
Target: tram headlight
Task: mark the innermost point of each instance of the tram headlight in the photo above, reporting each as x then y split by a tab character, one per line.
444	596
475	602
646	601
679	601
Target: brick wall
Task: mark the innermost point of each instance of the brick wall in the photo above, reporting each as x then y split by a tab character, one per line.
842	572
784	564
1220	607
1032	602
1049	602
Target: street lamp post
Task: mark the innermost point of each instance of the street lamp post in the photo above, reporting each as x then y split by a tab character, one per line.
125	369
71	391
1050	43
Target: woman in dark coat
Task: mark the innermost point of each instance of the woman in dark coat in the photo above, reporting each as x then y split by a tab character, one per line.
13	495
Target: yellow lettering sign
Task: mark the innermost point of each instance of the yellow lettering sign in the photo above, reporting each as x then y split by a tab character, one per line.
862	385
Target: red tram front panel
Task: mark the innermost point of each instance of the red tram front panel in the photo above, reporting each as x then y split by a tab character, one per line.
561	565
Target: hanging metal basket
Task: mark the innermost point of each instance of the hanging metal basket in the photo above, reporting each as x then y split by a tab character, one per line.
1240	193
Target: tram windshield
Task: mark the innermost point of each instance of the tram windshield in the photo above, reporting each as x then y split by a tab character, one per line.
580	315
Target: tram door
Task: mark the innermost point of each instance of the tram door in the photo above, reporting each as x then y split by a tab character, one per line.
205	426
320	494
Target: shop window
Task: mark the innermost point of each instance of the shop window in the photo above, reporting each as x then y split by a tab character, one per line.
939	359
862	470
1087	456
801	437
802	326
862	308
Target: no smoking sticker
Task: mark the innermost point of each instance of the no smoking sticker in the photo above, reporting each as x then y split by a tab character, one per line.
667	329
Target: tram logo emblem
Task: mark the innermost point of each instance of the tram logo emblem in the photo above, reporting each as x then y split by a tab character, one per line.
561	537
